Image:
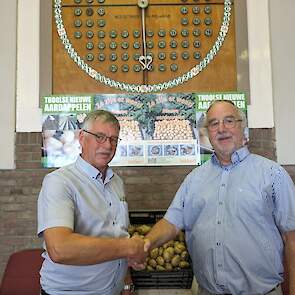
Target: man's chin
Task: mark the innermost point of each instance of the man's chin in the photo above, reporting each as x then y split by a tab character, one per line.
225	151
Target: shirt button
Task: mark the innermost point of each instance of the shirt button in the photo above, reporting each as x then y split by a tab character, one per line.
220	203
114	222
223	184
110	204
218	244
218	222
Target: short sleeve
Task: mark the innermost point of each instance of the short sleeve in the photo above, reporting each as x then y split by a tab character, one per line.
55	204
284	199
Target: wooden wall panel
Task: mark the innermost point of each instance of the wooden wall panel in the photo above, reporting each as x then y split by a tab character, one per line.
220	74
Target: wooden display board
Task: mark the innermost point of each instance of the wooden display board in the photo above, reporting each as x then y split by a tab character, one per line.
108	36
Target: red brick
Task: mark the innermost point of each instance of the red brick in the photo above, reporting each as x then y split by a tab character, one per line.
147	188
27	148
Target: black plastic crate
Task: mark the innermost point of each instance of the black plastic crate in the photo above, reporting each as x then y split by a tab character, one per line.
146	217
176	279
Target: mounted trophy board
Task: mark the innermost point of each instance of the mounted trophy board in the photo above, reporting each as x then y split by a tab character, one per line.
142	42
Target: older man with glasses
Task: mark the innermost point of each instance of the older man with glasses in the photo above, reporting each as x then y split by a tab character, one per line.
83	218
238	213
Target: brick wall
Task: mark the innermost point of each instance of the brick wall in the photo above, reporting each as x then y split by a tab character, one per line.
147	188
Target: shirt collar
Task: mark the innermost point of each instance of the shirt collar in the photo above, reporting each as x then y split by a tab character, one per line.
93	172
236	157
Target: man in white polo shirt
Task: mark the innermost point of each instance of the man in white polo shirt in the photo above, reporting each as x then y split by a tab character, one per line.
83	218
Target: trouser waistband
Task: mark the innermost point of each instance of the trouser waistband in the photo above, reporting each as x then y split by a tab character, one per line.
208	293
43	292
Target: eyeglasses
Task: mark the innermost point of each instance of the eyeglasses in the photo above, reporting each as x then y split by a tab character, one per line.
102	138
228	122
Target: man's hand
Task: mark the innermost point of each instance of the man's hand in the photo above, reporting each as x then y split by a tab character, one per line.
136	249
139	264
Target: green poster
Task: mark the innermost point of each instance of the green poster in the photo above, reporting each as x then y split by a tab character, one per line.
202	103
61	121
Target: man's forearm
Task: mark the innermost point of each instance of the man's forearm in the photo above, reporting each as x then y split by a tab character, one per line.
161	232
66	247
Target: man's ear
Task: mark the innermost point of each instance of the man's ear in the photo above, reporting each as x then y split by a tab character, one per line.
81	136
246	135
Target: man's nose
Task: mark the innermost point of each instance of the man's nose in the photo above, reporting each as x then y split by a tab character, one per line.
107	142
221	126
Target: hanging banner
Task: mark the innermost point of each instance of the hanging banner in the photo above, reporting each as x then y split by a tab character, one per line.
156	129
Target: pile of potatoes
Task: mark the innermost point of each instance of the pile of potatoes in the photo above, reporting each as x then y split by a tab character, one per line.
173	255
173	129
129	130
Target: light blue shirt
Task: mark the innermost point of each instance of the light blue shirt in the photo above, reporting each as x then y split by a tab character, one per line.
233	216
76	197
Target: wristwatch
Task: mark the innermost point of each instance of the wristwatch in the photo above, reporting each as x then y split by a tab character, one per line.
129	287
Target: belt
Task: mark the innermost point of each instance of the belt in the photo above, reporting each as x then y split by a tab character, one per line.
273	289
43	292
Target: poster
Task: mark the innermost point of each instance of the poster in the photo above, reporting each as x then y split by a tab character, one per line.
202	103
156	129
61	121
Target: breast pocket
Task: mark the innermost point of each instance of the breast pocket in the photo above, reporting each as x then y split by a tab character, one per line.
249	205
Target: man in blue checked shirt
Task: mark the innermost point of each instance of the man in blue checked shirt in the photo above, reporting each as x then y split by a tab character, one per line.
83	218
238	213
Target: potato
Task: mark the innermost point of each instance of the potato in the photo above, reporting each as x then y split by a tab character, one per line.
179	248
131	229
160	260
152	262
180	236
149	268
143	229
167	256
184	255
160	268
175	260
154	253
168	244
171	250
168	266
183	264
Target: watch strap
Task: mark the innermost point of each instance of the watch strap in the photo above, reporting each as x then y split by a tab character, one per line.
129	287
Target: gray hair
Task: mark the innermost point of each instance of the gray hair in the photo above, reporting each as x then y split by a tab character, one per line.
241	114
105	116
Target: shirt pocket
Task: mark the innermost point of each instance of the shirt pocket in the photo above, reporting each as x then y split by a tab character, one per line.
250	205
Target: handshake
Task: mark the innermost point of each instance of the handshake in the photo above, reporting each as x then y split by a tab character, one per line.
138	250
162	233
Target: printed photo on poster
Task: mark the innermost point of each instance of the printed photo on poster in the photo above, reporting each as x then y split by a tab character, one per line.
61	122
154	128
